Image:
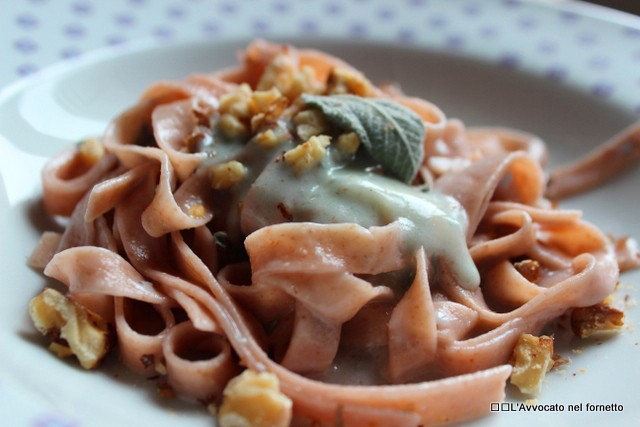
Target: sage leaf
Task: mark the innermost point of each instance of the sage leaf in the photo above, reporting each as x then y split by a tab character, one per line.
391	133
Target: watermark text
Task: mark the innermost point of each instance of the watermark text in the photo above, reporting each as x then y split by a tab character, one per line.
555	407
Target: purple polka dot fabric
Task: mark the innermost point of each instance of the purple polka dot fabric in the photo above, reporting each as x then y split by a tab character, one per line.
563	43
560	43
53	420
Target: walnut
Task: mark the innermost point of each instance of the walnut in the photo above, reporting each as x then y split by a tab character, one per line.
266	106
262	101
270	138
310	123
304	81
254	400
278	73
532	358
227	174
91	151
73	329
529	269
283	74
237	102
307	155
231	126
344	81
596	319
349	142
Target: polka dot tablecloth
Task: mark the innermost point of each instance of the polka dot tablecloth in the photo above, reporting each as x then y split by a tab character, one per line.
561	41
557	39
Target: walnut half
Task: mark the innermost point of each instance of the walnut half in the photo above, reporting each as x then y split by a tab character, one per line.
73	329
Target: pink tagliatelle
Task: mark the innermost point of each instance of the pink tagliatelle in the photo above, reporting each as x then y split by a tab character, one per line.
227	224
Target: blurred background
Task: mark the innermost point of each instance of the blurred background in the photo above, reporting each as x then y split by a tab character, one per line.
631	6
39	33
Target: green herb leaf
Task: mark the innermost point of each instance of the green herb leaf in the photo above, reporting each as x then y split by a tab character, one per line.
391	133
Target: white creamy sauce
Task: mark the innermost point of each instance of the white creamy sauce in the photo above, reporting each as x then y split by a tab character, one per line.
337	191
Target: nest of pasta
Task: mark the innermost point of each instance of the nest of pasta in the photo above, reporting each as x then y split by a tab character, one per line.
363	258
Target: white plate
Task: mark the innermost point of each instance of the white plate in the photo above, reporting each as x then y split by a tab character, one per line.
468	80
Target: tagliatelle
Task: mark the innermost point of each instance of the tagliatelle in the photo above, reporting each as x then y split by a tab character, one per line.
215	234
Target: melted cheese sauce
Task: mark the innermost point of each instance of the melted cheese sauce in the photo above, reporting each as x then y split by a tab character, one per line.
342	190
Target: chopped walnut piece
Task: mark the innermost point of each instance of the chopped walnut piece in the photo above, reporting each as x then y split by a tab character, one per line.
72	328
278	73
307	155
266	106
344	81
254	400
91	151
310	123
596	319
532	358
270	138
263	101
227	174
283	74
304	81
349	142
232	126
530	269
160	368
237	102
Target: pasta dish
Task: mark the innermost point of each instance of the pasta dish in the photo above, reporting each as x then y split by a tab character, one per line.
291	244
